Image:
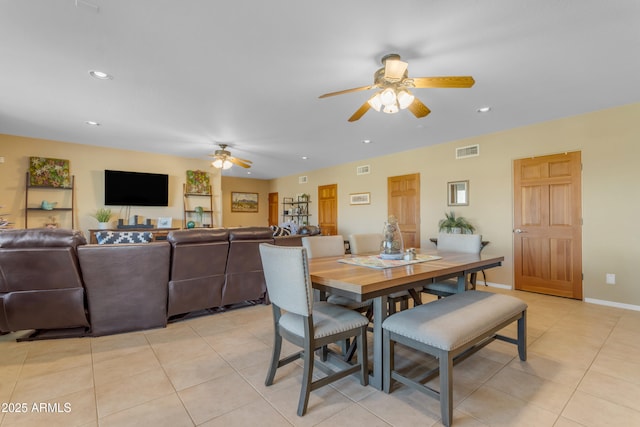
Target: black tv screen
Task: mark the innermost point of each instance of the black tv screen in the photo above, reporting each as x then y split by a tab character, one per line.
135	188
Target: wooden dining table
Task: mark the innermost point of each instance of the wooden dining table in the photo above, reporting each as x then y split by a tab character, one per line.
361	283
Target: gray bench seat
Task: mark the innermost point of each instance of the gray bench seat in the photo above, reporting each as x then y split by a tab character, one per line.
450	329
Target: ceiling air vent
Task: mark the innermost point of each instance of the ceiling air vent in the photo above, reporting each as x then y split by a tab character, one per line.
302	179
468	151
363	170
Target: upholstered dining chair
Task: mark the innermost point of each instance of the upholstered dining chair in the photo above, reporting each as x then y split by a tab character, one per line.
369	243
307	323
325	246
455	243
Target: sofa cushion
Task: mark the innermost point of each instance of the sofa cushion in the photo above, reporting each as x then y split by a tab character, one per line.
117	237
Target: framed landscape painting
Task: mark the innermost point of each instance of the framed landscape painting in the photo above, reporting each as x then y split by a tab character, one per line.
244	202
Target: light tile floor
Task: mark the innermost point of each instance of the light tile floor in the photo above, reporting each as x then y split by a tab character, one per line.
583	369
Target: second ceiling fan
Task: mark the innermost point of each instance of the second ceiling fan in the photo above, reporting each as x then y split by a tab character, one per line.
393	82
222	159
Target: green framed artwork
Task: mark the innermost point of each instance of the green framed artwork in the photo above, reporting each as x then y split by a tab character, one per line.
46	172
198	182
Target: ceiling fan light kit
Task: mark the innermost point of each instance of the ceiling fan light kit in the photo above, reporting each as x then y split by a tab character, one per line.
394	83
222	159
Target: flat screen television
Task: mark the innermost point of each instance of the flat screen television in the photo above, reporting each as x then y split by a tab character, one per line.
135	188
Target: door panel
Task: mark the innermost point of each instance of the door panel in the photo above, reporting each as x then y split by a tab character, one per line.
404	203
273	209
328	209
547	225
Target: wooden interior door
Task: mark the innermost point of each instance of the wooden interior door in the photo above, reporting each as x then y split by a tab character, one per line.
273	209
548	225
328	209
404	203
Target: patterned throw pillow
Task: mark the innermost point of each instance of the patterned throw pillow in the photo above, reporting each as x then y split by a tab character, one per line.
280	231
116	237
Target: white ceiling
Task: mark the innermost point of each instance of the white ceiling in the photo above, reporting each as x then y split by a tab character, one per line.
192	73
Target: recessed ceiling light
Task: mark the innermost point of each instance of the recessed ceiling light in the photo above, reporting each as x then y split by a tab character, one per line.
100	75
366	141
304	157
483	109
248	172
91	123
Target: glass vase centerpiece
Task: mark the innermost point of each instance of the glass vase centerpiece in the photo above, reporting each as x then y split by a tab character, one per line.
392	246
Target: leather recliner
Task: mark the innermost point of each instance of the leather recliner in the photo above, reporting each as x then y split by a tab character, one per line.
244	274
198	261
126	286
41	285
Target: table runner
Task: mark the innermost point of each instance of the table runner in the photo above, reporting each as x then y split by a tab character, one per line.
374	261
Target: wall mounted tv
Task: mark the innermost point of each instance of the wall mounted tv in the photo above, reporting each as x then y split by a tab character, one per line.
135	188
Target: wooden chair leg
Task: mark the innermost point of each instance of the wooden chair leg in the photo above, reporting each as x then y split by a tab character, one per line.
307	378
275	359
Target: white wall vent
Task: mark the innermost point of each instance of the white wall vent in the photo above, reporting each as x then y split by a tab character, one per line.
363	170
468	151
302	179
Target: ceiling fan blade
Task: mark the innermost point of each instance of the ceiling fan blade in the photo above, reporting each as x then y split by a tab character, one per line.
238	162
450	81
341	92
418	108
394	69
363	109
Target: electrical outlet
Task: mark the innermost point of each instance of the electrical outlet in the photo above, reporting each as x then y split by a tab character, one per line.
611	279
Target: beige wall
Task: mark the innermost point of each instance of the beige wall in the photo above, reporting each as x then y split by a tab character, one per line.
610	150
607	140
88	163
245	185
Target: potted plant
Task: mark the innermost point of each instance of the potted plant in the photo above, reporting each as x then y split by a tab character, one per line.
103	215
455	225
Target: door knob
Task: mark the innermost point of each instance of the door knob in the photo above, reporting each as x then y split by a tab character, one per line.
517	230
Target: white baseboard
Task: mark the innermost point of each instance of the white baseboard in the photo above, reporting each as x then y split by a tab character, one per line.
588	300
612	304
493	285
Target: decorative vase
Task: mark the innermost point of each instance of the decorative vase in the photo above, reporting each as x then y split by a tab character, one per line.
392	246
103	225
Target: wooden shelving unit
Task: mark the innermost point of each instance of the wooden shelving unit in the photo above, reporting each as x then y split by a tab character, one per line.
30	209
193	200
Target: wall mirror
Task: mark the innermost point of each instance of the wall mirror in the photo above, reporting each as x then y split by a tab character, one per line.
458	193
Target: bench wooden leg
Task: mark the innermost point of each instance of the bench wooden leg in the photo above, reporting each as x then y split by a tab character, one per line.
522	336
446	387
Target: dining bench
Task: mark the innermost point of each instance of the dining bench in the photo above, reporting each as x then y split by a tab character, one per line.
450	329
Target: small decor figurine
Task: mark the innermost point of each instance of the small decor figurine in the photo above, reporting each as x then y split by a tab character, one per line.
392	246
48	206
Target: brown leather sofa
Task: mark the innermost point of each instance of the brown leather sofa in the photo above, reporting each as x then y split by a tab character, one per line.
198	264
41	285
51	279
126	286
244	274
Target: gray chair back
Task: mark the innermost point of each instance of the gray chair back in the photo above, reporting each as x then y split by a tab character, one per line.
286	271
323	246
461	243
365	243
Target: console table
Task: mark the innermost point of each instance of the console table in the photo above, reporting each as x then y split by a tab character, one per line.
158	233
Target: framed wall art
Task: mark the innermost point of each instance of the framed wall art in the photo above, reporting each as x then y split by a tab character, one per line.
359	198
244	202
46	172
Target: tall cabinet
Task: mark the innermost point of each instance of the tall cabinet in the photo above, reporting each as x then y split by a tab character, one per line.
49	200
296	210
198	207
